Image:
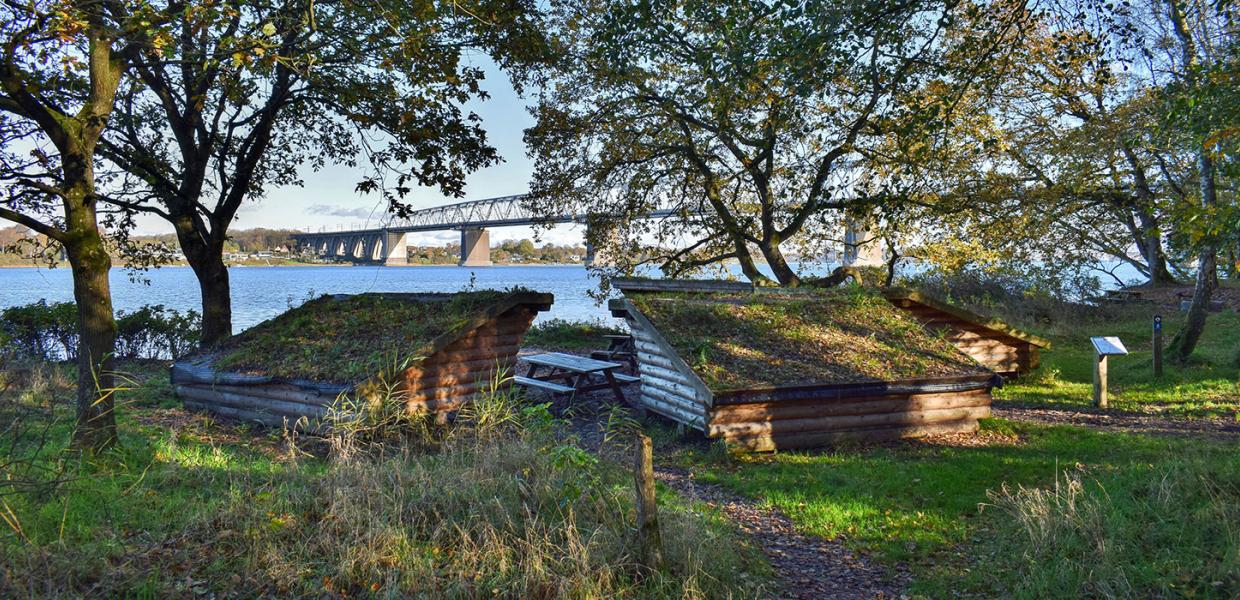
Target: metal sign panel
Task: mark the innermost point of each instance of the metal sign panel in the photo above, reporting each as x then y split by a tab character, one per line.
1108	346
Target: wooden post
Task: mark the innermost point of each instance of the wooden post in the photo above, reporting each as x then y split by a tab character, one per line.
1100	381
647	510
1158	346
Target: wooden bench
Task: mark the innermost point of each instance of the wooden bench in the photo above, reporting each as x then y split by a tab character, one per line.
549	386
569	374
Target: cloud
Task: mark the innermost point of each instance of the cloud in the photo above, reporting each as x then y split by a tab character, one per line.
340	211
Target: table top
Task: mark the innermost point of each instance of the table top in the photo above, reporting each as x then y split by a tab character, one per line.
571	362
618	336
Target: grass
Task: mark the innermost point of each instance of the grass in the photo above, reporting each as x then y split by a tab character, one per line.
925	504
347	339
559	334
1209	385
740	341
189	507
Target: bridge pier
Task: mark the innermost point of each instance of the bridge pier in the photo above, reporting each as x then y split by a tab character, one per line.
596	257
395	249
862	246
475	247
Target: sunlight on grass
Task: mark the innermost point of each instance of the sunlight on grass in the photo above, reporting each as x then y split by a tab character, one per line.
1209	385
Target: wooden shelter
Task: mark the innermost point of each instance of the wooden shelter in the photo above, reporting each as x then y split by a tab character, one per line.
431	352
1001	347
767	370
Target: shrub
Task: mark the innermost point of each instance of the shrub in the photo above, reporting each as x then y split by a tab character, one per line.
561	334
156	332
42	331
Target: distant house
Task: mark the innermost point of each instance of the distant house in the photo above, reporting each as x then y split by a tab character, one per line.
263	254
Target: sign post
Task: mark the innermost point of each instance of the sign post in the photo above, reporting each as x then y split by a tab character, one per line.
1103	348
1158	346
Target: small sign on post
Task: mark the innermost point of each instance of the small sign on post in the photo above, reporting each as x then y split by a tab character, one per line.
1104	347
1157	346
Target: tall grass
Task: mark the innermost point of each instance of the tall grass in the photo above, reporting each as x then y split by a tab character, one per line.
1166	532
498	503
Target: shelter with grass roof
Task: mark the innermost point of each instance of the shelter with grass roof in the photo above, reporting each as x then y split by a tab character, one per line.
775	369
429	352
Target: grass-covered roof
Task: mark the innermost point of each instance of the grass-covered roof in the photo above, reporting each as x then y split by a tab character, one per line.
745	340
345	339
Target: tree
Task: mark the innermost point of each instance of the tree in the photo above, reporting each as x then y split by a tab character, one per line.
1202	105
747	119
61	65
257	90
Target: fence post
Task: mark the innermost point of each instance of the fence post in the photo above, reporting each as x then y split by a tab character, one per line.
1158	346
649	541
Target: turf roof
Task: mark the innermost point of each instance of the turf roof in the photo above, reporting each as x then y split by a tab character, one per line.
345	339
744	340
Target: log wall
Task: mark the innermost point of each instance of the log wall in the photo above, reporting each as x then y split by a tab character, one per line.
783	424
668	386
1001	353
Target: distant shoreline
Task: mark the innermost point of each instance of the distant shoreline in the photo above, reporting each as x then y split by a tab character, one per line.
64	264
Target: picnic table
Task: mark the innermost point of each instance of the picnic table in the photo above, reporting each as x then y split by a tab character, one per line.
619	348
561	373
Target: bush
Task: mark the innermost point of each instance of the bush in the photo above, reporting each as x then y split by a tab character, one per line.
560	334
48	332
156	332
41	331
1038	301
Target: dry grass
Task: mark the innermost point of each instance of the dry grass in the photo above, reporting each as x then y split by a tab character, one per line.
496	505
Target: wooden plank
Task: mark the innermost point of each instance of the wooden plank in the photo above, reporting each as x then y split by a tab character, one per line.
544	385
569	362
211	397
847	422
769	443
800	409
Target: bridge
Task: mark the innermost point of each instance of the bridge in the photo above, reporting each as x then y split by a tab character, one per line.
387	245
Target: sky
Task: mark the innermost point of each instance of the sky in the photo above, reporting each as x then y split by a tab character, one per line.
327	198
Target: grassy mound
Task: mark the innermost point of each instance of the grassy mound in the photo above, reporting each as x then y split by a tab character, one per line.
747	340
346	339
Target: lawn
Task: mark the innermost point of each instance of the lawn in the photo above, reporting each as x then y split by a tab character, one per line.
926	504
1209	385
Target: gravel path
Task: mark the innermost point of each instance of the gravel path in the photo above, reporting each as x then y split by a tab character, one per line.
808	567
1112	420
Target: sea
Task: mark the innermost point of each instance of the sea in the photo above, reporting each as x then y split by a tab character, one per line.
259	293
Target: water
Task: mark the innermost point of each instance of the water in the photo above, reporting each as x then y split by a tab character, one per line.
260	293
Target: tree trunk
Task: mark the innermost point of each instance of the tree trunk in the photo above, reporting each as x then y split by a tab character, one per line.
207	261
1207	275
1150	243
96	419
748	267
779	266
1186	339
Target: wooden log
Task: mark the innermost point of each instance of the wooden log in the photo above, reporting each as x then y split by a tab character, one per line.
767	443
251	403
668	381
840	423
649	540
286	393
1100	381
800	409
675	411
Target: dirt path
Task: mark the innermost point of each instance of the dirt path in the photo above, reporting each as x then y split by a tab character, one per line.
808	567
1129	422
